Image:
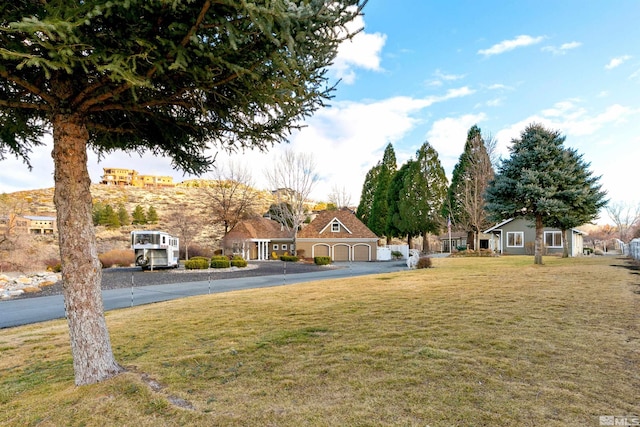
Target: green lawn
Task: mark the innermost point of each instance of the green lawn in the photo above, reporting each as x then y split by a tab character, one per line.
471	342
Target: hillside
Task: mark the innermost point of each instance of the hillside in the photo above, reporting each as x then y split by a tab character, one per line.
167	201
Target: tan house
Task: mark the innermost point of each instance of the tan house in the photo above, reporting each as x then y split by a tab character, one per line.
258	238
340	235
119	176
16	224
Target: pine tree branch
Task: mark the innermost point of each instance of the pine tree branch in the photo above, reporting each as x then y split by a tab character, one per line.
24	105
31	88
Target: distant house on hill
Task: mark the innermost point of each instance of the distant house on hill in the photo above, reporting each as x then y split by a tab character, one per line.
516	236
124	177
32	224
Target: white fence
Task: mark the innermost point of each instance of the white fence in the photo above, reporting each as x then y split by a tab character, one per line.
384	252
634	249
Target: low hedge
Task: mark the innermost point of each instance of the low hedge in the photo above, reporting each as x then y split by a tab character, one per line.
197	263
220	262
322	260
238	261
291	258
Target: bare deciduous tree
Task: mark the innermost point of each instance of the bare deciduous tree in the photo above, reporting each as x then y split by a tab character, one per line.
186	226
625	216
340	197
232	195
292	177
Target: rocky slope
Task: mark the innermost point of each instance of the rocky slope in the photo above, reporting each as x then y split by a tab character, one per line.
193	201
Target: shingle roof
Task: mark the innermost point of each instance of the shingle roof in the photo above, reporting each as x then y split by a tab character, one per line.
258	228
320	228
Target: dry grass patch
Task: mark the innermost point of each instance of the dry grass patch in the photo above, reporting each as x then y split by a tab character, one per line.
473	341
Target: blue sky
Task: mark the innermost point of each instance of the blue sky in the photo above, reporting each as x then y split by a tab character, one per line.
427	70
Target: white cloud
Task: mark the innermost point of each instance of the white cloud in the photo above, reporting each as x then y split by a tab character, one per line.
562	49
616	62
362	51
349	138
448	136
507	45
440	78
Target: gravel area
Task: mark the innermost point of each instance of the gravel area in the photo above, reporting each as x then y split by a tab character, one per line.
121	277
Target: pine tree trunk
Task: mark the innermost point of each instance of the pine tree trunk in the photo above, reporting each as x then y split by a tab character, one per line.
565	244
93	358
538	244
425	243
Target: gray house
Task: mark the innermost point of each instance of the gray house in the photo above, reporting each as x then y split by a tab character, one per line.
516	236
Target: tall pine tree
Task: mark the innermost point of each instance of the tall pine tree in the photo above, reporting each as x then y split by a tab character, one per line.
424	195
465	196
581	194
174	78
537	181
363	212
379	207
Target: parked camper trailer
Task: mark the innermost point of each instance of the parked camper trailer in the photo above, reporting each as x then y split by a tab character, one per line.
155	249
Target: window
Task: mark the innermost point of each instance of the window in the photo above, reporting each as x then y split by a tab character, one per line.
335	227
275	246
553	239
283	247
515	239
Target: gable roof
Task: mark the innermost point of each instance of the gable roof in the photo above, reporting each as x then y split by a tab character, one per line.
258	228
350	226
498	226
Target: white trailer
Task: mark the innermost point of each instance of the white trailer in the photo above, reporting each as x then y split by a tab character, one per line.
155	249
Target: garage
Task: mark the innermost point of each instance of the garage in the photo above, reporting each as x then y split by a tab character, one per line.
361	253
341	253
321	250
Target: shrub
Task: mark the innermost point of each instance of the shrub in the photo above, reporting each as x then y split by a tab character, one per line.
220	262
322	260
117	257
274	255
588	251
471	253
238	261
424	262
396	254
196	263
300	253
291	258
196	250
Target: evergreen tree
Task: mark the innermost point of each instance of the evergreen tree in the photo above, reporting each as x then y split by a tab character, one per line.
379	207
580	193
123	216
535	182
363	211
174	78
465	196
109	218
97	212
425	193
152	215
139	216
399	224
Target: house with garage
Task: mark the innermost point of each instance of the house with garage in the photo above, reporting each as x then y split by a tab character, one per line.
516	236
338	234
257	238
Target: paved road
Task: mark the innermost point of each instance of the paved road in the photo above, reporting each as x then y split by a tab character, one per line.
33	310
